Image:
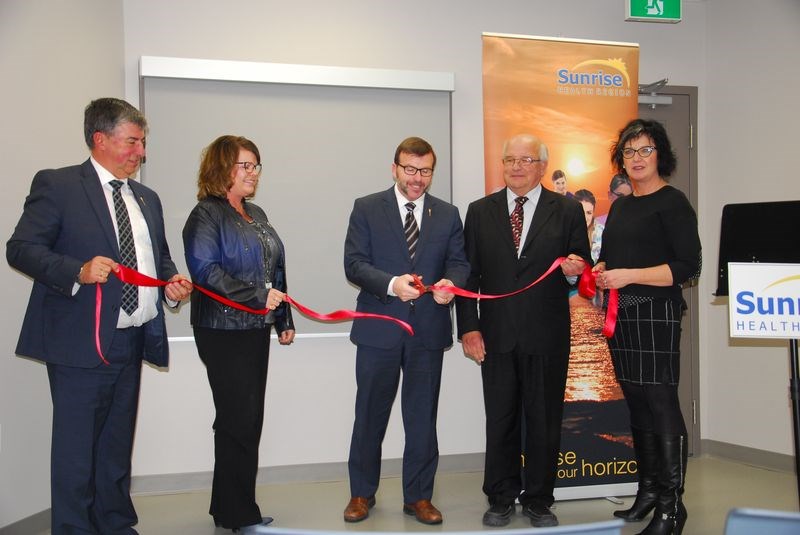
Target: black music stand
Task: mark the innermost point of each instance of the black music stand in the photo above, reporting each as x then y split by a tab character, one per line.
764	232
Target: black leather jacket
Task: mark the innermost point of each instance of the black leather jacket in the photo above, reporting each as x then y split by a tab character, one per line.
225	256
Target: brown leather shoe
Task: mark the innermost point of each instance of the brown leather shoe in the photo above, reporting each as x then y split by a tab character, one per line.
358	508
424	511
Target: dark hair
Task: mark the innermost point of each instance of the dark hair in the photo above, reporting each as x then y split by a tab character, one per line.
585	195
416	146
105	114
217	161
656	132
558	173
617	181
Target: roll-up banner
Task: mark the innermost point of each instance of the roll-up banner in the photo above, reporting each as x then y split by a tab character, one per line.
575	95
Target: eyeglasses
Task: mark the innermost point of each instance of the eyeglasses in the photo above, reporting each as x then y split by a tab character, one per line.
525	162
410	170
250	167
643	152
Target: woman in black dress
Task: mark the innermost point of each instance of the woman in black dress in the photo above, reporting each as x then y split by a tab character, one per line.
651	247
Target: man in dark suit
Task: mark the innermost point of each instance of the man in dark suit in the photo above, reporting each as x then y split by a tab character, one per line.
67	241
521	342
392	235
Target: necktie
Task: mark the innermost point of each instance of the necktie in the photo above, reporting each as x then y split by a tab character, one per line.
127	250
517	216
411	230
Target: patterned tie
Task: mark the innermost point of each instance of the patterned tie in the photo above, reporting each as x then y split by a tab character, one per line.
127	250
411	230
516	220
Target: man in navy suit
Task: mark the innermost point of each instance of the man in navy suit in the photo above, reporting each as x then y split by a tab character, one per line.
521	342
394	235
67	242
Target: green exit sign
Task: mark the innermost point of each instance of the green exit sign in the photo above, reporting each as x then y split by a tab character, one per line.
653	10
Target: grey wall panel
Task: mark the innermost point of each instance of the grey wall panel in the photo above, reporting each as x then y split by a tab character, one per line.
321	147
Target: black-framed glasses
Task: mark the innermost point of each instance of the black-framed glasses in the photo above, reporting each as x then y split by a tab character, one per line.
525	162
643	152
250	167
410	170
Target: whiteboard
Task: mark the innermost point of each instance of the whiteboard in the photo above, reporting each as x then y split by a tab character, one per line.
322	146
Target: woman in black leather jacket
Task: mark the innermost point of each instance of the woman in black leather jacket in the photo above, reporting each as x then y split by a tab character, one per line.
232	250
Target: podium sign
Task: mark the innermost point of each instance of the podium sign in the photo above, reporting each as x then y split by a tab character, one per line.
764	300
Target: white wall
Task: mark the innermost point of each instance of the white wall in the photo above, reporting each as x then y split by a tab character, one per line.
749	147
441	36
723	47
50	71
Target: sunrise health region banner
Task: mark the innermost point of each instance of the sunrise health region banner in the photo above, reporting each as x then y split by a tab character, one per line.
575	95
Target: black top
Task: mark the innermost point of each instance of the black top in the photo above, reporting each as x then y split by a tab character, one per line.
650	230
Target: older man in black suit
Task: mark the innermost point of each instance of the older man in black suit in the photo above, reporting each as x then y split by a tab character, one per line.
78	223
521	342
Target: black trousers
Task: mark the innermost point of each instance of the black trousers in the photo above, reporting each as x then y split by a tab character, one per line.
512	381
236	363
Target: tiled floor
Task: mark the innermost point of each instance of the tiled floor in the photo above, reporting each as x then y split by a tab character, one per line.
714	486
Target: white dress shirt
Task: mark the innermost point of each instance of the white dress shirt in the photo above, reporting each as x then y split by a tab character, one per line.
527	210
401	207
148	296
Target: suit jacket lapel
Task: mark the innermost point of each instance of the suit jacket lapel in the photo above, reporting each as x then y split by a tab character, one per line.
393	216
97	200
146	212
430	217
499	212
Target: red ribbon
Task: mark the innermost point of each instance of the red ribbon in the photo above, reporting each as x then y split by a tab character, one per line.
131	276
587	288
455	290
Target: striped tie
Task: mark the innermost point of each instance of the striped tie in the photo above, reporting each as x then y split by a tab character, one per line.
516	220
127	249
411	230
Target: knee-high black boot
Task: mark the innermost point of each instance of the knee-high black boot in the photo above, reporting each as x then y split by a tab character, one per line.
670	514
647	455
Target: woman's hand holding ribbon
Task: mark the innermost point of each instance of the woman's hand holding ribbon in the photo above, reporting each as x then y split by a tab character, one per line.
178	287
275	298
597	277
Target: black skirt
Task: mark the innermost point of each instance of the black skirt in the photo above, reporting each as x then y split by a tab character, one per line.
645	348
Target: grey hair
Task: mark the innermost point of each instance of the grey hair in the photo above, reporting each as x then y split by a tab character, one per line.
105	114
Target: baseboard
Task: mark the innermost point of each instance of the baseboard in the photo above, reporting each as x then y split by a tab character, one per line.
751	456
36	523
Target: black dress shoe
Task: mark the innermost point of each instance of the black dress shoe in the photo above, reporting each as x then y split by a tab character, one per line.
498	515
541	516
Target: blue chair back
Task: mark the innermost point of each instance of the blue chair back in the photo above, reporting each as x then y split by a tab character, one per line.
610	527
762	521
